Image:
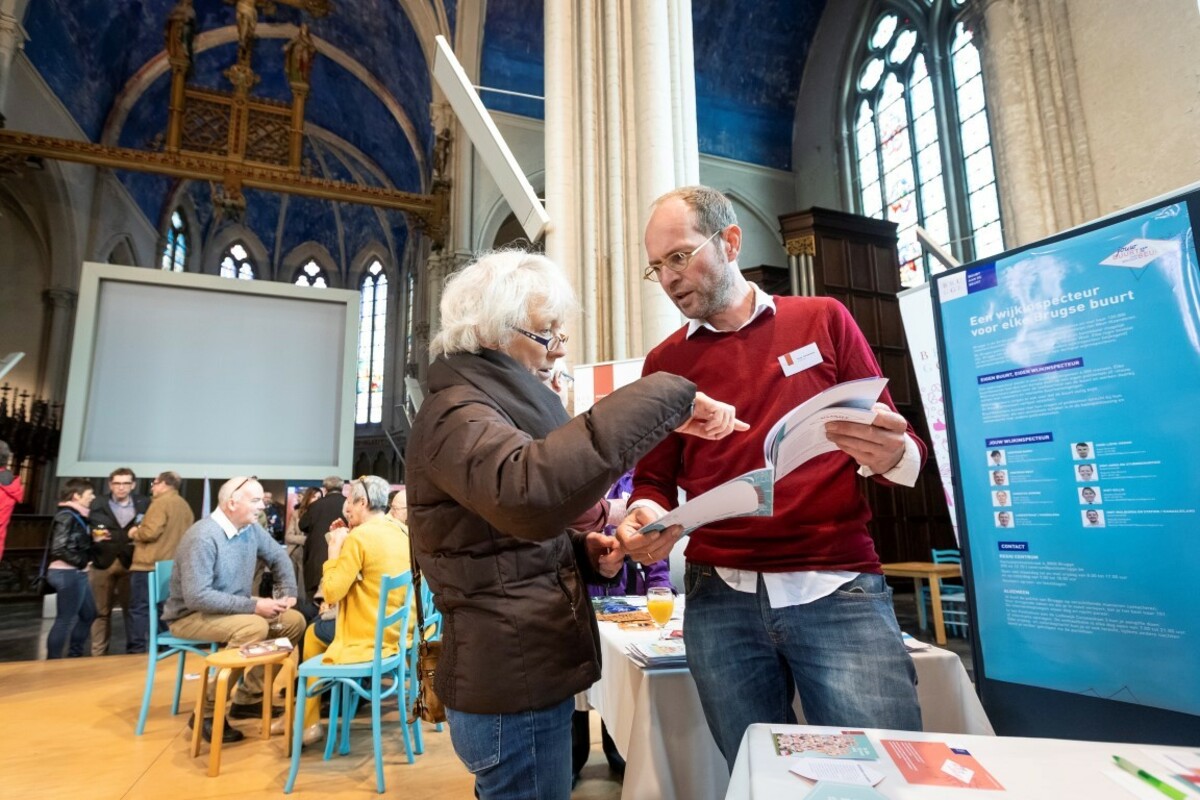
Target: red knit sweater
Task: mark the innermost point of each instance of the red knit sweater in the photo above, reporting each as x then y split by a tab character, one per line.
820	519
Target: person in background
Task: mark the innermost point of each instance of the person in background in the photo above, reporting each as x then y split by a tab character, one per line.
154	540
359	556
274	517
11	491
398	507
211	598
633	579
72	549
294	538
795	601
501	485
315	524
118	513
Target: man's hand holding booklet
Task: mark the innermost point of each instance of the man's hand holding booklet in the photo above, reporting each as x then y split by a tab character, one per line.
797	437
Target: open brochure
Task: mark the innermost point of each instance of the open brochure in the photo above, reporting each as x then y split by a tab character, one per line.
797	437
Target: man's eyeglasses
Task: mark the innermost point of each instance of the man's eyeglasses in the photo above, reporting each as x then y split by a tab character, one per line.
676	262
243	483
549	342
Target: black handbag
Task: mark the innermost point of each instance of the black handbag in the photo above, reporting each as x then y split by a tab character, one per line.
40	584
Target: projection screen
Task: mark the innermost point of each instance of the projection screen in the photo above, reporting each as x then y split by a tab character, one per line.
209	376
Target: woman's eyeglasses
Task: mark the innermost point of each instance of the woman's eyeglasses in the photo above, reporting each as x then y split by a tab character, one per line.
549	342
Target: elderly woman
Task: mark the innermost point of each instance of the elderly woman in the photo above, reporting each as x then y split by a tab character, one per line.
359	557
496	475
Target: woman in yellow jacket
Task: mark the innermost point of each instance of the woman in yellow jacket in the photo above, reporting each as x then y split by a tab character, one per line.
359	557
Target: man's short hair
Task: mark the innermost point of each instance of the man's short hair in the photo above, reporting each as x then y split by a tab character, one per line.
332	484
122	471
372	487
713	210
72	487
171	479
485	300
5	454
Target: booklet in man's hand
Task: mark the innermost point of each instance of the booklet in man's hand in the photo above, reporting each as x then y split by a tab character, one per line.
797	437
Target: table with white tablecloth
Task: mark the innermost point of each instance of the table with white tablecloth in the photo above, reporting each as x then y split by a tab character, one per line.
655	719
1029	769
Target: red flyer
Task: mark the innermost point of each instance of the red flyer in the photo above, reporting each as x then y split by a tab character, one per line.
938	764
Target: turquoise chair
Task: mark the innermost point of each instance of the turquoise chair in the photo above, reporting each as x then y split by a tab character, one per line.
164	645
344	682
954	596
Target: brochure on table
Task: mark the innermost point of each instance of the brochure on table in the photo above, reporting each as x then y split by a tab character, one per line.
1072	372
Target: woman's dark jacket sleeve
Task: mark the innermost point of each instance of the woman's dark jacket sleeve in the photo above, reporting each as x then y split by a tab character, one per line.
70	540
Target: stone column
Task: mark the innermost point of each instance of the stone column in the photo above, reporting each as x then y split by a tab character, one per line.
1039	133
60	303
620	131
12	39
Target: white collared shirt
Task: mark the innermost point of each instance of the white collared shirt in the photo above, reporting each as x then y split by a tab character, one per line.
796	588
218	516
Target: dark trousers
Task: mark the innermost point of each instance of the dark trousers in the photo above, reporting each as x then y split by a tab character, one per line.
581	745
76	611
138	618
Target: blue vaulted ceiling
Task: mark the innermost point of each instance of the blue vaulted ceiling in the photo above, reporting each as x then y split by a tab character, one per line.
98	57
95	54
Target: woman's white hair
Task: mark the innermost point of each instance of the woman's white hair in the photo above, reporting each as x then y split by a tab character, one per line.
485	300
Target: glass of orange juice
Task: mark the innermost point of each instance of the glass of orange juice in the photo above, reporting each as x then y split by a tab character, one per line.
660	602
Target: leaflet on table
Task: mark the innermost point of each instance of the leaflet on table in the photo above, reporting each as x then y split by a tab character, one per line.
847	744
938	764
266	647
827	769
794	439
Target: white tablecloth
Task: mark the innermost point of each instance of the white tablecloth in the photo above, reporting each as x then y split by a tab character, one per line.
654	717
1029	769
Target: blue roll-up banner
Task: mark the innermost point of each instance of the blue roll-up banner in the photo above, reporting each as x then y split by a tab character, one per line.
1072	377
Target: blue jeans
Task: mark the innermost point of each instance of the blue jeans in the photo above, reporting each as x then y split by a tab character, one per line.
842	652
138	615
76	611
521	756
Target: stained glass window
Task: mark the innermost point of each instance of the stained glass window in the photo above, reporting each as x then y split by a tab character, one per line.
174	257
311	274
372	329
903	141
237	263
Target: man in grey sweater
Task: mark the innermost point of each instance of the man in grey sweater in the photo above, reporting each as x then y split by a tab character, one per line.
211	596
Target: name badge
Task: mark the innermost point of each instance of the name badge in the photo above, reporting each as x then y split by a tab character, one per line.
800	359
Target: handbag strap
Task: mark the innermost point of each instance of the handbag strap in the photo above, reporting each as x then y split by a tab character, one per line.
416	587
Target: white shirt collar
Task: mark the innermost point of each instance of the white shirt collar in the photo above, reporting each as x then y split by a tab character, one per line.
763	302
218	516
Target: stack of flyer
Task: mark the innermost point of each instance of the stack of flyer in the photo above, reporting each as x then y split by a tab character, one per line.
658	653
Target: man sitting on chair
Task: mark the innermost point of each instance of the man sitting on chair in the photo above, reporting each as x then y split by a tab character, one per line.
211	595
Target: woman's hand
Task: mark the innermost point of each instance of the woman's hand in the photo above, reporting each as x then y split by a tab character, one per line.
711	419
605	553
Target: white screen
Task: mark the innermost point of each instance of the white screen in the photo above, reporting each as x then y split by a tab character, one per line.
209	377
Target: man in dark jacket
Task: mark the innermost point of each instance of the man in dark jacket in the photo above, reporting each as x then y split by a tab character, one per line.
315	524
118	511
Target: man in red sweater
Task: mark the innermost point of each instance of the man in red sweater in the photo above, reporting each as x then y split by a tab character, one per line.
796	600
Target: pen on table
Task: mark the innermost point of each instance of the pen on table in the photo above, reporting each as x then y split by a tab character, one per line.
1134	769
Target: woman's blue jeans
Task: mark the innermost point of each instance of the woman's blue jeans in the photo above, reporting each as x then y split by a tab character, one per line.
521	756
843	652
76	611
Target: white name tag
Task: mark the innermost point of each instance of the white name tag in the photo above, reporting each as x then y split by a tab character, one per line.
800	359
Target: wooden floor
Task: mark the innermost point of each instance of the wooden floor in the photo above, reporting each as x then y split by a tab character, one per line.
69	733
